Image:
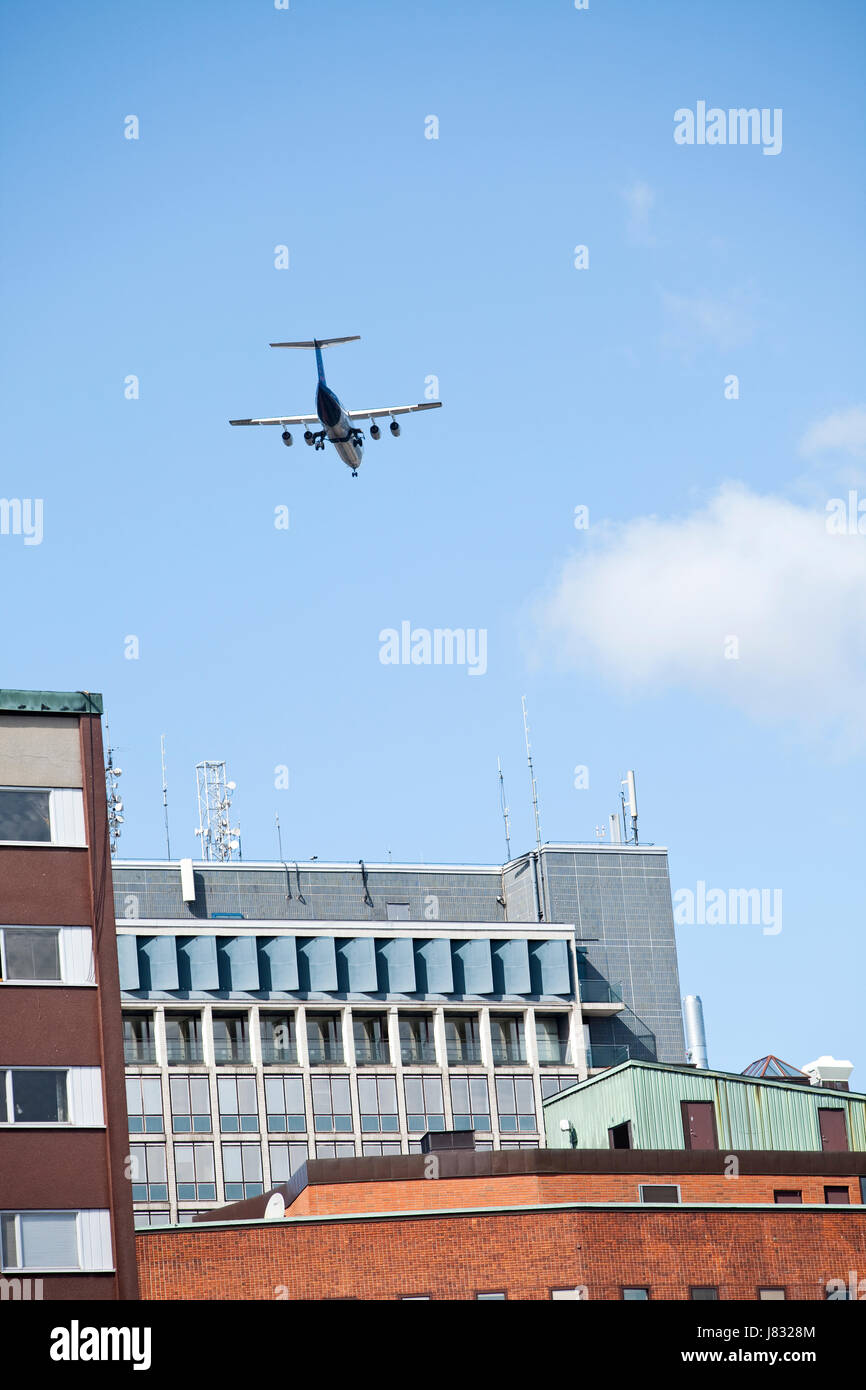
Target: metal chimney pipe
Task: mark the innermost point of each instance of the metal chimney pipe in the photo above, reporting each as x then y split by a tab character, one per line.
696	1038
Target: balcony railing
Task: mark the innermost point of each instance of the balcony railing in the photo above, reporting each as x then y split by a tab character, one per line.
371	1052
275	1053
463	1052
183	1052
414	1053
226	1053
598	991
138	1053
606	1055
552	1054
508	1053
322	1053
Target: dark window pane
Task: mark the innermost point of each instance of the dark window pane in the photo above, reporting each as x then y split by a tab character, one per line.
39	1097
32	954
24	815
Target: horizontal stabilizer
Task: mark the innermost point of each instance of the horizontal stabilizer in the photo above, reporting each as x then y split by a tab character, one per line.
319	342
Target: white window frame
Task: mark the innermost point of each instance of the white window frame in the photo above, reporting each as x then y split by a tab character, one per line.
83	1099
75	950
65	818
92	1242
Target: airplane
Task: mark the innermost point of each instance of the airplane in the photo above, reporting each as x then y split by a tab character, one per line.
337	422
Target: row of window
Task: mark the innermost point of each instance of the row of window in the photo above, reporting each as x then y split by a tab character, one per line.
324	1038
375	1109
243	1176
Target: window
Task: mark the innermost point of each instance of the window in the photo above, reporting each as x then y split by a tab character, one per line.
425	1104
345	1150
143	1219
138	1040
378	1102
506	1033
284	1099
516	1101
787	1197
767	1295
39	1240
231	1042
519	1144
635	1294
33	1096
278	1038
324	1038
551	1083
578	1294
148	1173
837	1196
30	953
619	1136
397	912
417	1040
239	1107
371	1038
463	1038
332	1108
703	1293
286	1159
659	1192
470	1102
551	1032
481	1146
414	1298
374	1148
194	1171
183	1038
186	1218
488	1296
25	814
190	1104
242	1171
144	1104
863	1190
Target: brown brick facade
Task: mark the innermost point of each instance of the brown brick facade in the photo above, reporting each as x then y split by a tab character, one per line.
525	1253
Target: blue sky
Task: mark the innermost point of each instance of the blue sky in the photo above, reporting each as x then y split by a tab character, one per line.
601	387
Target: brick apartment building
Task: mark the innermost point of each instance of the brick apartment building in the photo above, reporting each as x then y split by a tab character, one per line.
66	1224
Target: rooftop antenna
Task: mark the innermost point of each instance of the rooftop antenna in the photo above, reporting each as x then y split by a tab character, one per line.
279	835
628	784
531	776
165	797
219	839
115	805
504	806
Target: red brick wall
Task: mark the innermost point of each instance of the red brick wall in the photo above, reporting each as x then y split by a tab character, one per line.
525	1189
524	1253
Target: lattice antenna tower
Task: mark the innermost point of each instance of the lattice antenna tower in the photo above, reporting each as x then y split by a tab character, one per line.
220	840
112	792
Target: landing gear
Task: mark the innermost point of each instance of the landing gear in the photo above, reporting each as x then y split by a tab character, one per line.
354	472
319	441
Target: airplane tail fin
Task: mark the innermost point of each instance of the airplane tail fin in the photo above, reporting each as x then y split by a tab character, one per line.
317	344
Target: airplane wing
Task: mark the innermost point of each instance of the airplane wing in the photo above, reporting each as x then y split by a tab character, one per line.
282	420
393	410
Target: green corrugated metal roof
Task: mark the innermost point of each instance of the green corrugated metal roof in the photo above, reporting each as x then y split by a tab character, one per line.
50	702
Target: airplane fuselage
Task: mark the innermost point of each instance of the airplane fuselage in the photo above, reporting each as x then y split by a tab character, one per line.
346	438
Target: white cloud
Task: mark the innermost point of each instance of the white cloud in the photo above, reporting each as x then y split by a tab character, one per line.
843	432
652	601
639	199
695	320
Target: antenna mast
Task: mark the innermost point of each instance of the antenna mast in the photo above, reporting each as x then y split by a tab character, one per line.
504	807
219	839
165	797
115	805
531	776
